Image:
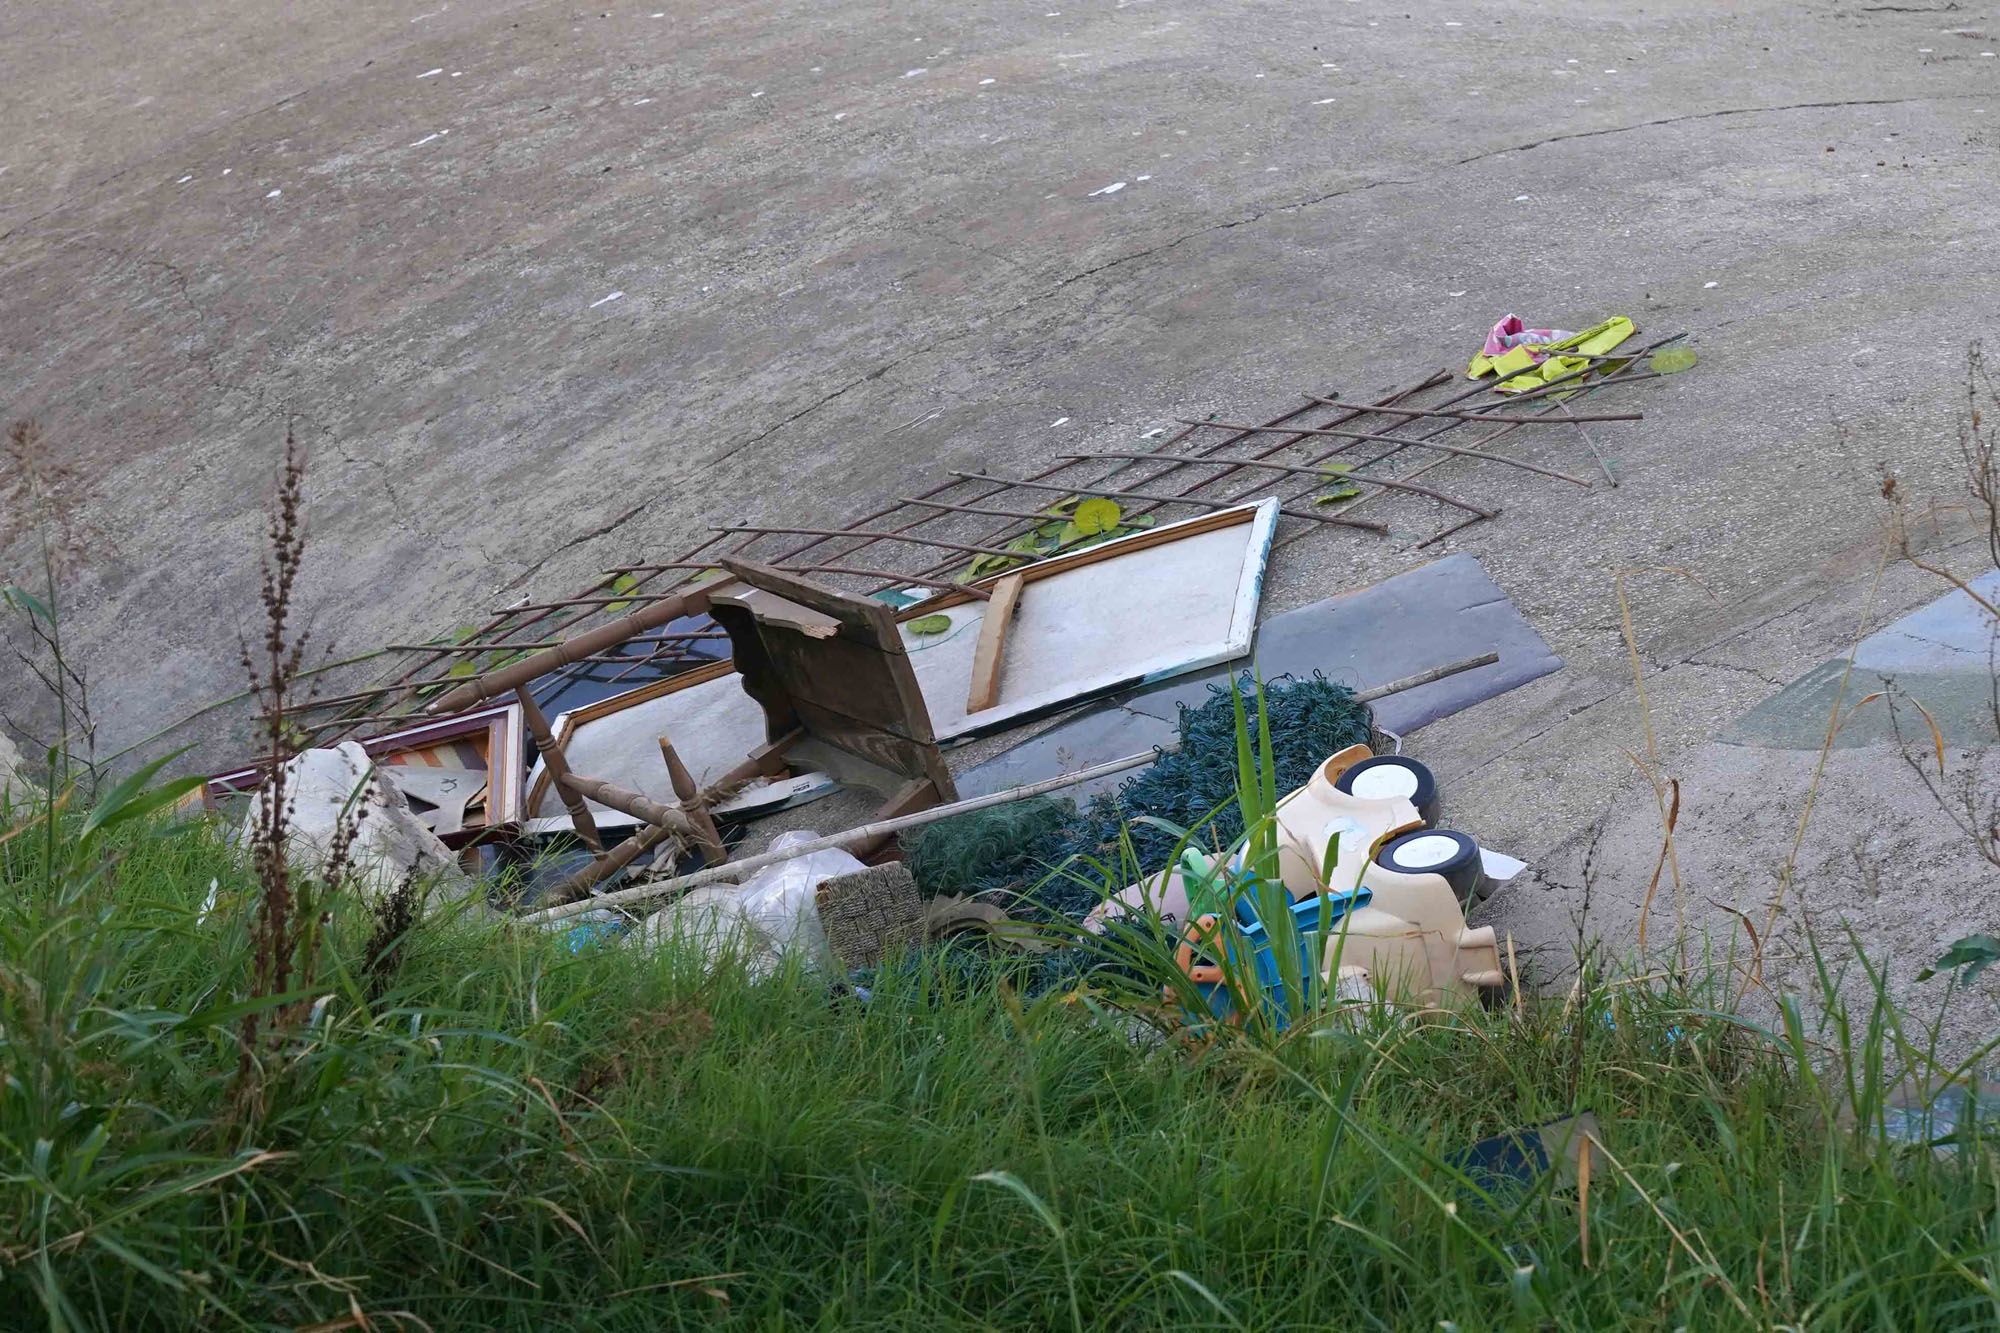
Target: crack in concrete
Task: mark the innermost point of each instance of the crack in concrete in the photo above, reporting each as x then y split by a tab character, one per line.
1730	666
197	355
995	255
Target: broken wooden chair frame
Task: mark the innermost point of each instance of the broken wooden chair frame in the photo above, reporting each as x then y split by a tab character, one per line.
824	666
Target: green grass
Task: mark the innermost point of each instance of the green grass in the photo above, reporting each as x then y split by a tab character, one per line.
513	1136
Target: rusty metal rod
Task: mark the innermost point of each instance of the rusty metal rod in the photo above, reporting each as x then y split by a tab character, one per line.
1441	535
1405	440
892	576
860	544
1175	461
1321	473
660	613
1589	443
1204	504
1158	502
1561	385
1468	416
469	647
623	599
882	536
976	509
1606	381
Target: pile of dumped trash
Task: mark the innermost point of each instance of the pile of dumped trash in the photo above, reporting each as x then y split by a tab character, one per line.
1347	885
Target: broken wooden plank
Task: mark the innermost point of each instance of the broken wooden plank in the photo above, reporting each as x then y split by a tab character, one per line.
989	655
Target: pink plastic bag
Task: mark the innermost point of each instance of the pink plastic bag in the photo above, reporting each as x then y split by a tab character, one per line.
1511	332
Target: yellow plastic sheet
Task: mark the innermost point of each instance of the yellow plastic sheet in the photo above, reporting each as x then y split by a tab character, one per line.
1597	340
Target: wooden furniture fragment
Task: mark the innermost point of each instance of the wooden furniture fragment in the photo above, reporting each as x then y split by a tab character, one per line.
558	766
989	656
834	667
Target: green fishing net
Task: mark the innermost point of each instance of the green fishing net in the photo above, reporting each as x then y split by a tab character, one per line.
1014	852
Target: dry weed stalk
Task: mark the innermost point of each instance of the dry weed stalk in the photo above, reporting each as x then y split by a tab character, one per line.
1975	810
39	493
285	931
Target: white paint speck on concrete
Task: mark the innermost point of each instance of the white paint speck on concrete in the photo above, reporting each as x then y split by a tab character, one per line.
1112	188
606	300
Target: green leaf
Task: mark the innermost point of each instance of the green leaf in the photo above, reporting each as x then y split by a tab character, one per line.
27	601
131	798
462	667
1974	953
1341	488
622	584
930	624
1096	515
1672	360
982	565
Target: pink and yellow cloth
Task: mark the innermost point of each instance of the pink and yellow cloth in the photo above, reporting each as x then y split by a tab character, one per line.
1523	358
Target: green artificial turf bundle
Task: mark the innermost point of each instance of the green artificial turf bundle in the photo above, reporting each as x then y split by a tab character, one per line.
1010	851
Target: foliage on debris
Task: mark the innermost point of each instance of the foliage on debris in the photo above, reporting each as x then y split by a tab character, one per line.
1075	522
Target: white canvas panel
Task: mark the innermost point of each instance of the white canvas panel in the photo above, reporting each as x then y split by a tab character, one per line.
1123	620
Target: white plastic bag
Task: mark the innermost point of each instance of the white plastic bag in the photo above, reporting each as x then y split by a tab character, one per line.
770	915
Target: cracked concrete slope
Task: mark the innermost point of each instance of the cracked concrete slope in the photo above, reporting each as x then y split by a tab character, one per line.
841	276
